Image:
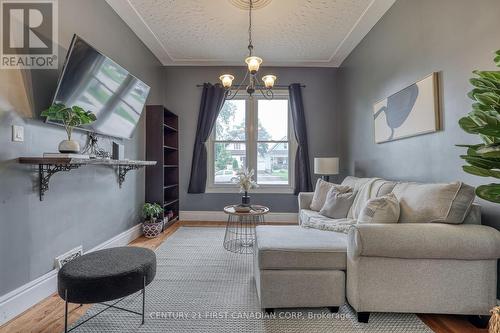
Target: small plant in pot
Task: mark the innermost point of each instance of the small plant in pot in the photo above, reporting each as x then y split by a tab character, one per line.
153	220
70	117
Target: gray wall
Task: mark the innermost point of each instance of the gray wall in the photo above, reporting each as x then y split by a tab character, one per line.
413	39
183	97
84	206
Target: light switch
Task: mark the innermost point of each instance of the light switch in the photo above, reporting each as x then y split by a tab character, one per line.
17	133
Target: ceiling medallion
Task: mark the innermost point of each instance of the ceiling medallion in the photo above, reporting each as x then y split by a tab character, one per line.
245	4
253	63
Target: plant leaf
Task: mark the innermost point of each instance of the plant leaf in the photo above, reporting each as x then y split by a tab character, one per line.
491	75
482	162
483	83
489	192
477	171
478	122
488	98
480	107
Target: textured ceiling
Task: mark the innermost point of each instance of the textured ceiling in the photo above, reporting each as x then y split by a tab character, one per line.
216	31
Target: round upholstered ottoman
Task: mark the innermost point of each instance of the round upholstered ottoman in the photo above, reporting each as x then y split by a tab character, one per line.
106	275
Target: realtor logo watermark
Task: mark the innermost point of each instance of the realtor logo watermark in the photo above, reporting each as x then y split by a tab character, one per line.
29	33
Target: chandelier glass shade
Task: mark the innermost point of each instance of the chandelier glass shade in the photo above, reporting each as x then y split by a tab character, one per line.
227	80
253	65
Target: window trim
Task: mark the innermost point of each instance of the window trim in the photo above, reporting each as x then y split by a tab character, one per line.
251	120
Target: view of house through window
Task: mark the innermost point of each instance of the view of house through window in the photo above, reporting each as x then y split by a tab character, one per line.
230	142
252	133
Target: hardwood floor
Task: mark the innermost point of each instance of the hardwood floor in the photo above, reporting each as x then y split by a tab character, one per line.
48	315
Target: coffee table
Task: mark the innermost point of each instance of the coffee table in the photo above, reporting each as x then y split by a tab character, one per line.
240	228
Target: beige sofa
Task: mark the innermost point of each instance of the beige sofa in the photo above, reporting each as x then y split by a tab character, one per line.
401	267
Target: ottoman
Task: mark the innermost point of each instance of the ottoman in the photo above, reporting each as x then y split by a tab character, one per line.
106	275
295	267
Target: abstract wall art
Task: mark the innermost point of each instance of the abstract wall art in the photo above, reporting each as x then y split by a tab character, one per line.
411	111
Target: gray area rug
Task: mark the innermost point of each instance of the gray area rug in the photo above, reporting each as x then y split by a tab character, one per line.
200	287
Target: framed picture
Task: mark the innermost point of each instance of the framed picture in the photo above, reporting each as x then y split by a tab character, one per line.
411	111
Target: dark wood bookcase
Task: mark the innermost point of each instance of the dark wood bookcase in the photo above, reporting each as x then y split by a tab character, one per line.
162	145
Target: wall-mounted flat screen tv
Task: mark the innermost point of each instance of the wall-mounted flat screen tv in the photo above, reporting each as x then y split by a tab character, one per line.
96	83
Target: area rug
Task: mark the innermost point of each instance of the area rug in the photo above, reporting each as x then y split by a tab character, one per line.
201	287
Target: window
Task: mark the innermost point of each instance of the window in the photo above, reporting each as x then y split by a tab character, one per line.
253	133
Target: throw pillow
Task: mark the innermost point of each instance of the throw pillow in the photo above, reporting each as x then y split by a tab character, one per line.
384	209
320	193
338	201
440	203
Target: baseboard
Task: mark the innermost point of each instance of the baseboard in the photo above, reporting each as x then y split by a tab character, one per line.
214	216
24	297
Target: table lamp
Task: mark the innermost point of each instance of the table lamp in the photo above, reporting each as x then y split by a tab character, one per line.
326	166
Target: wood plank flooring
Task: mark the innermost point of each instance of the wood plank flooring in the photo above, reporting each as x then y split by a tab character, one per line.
48	315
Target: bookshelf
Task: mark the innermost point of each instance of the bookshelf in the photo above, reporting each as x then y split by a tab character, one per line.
162	145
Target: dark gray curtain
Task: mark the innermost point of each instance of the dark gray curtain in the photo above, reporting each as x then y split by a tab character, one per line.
212	100
302	169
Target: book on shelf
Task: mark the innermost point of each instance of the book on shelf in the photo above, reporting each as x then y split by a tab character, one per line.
66	155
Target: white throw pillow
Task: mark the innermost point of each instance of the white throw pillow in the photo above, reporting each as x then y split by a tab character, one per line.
384	209
320	193
441	203
338	202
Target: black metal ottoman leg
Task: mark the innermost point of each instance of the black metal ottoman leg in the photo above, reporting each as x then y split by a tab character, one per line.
143	297
66	311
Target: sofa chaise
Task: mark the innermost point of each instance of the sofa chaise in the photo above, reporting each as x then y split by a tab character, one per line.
447	266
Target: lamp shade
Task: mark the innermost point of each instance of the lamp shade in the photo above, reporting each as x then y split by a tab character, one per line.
269	80
253	63
326	165
227	80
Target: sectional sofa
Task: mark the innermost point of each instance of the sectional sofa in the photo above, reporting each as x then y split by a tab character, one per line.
438	258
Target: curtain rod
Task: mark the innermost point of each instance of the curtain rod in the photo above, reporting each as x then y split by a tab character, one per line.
276	86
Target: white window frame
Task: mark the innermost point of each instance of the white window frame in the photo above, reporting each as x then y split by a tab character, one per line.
251	121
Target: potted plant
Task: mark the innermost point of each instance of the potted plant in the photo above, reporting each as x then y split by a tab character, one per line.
153	220
484	158
246	183
70	117
484	121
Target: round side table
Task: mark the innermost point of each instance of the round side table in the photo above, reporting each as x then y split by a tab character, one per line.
240	229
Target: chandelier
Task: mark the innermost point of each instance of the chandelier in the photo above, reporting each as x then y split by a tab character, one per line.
253	63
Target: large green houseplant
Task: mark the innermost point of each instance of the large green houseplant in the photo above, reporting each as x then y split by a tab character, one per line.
70	117
484	120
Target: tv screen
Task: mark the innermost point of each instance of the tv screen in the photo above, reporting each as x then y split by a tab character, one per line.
96	83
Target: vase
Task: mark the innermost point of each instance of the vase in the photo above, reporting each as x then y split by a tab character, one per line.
153	228
245	200
69	146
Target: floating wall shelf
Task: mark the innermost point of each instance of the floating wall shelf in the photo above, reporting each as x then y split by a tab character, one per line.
48	166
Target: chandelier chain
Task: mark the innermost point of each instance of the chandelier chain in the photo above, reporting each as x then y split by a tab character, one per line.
250	46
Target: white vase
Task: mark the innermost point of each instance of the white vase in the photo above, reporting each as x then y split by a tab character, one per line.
69	146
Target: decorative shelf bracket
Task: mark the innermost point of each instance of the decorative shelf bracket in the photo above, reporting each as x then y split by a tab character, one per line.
45	171
122	172
48	166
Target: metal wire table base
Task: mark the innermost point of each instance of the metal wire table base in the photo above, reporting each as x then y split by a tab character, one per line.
240	232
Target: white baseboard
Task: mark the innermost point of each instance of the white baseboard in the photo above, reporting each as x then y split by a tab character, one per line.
24	297
214	216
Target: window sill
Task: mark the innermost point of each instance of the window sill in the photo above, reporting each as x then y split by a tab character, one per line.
261	189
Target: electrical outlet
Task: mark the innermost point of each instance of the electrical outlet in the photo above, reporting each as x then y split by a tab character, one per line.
17	133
